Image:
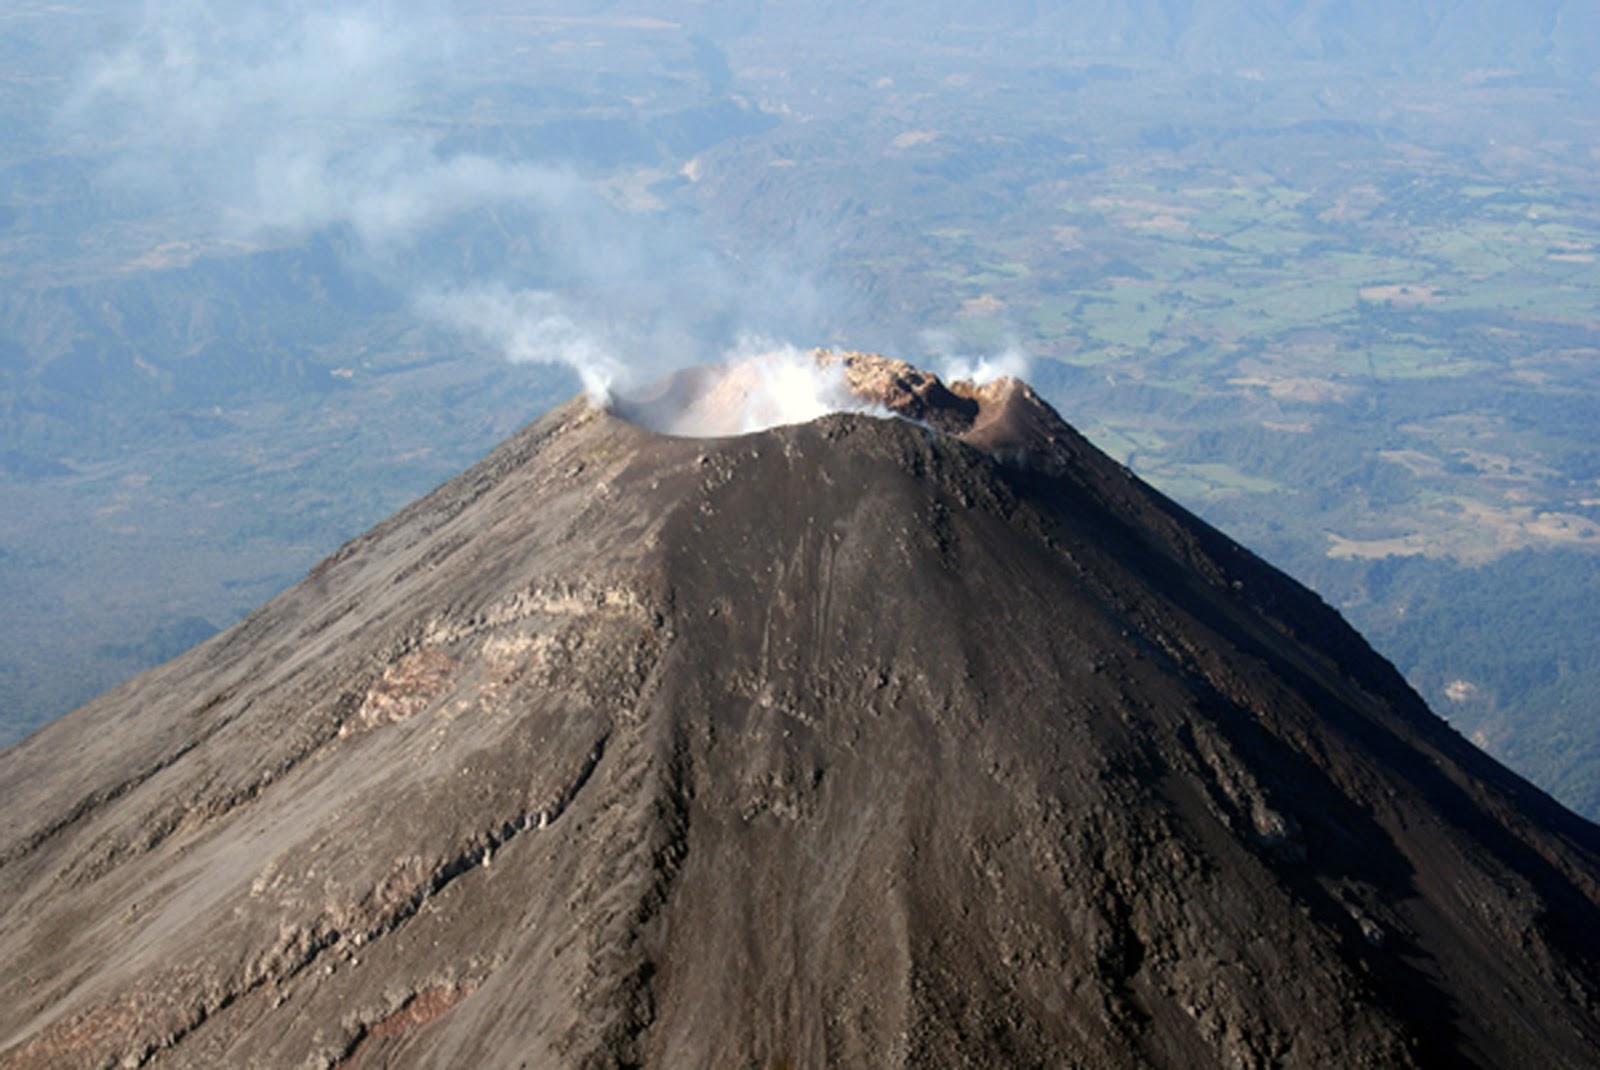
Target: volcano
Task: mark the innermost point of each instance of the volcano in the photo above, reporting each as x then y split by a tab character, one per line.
935	739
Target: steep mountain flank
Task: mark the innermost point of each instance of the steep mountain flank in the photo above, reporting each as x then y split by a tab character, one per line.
918	742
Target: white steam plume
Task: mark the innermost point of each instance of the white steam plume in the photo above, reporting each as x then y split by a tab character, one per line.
531	326
780	384
291	118
952	365
276	120
758	384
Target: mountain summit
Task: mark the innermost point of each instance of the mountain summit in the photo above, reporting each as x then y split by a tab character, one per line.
931	740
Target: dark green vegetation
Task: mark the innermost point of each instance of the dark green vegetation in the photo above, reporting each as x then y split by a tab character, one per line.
1524	626
1335	292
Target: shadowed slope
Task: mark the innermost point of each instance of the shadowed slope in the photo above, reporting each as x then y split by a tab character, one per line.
850	743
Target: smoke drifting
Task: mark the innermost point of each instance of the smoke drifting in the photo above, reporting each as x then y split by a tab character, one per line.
759	385
286	120
531	326
952	364
273	121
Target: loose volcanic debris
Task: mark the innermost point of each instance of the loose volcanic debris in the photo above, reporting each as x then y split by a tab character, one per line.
918	741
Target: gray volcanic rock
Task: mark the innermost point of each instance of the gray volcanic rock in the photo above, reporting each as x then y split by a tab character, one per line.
864	742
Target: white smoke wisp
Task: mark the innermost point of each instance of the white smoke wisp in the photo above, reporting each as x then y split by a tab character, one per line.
276	122
531	326
954	366
390	195
783	385
287	119
759	384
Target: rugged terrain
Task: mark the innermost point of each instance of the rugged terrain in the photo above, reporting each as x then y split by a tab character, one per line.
931	741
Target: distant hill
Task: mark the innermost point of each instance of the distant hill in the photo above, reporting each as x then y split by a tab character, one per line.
1546	36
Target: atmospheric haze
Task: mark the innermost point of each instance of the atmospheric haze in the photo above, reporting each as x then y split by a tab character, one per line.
286	120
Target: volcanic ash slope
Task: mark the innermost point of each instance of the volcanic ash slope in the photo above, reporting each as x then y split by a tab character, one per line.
864	742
